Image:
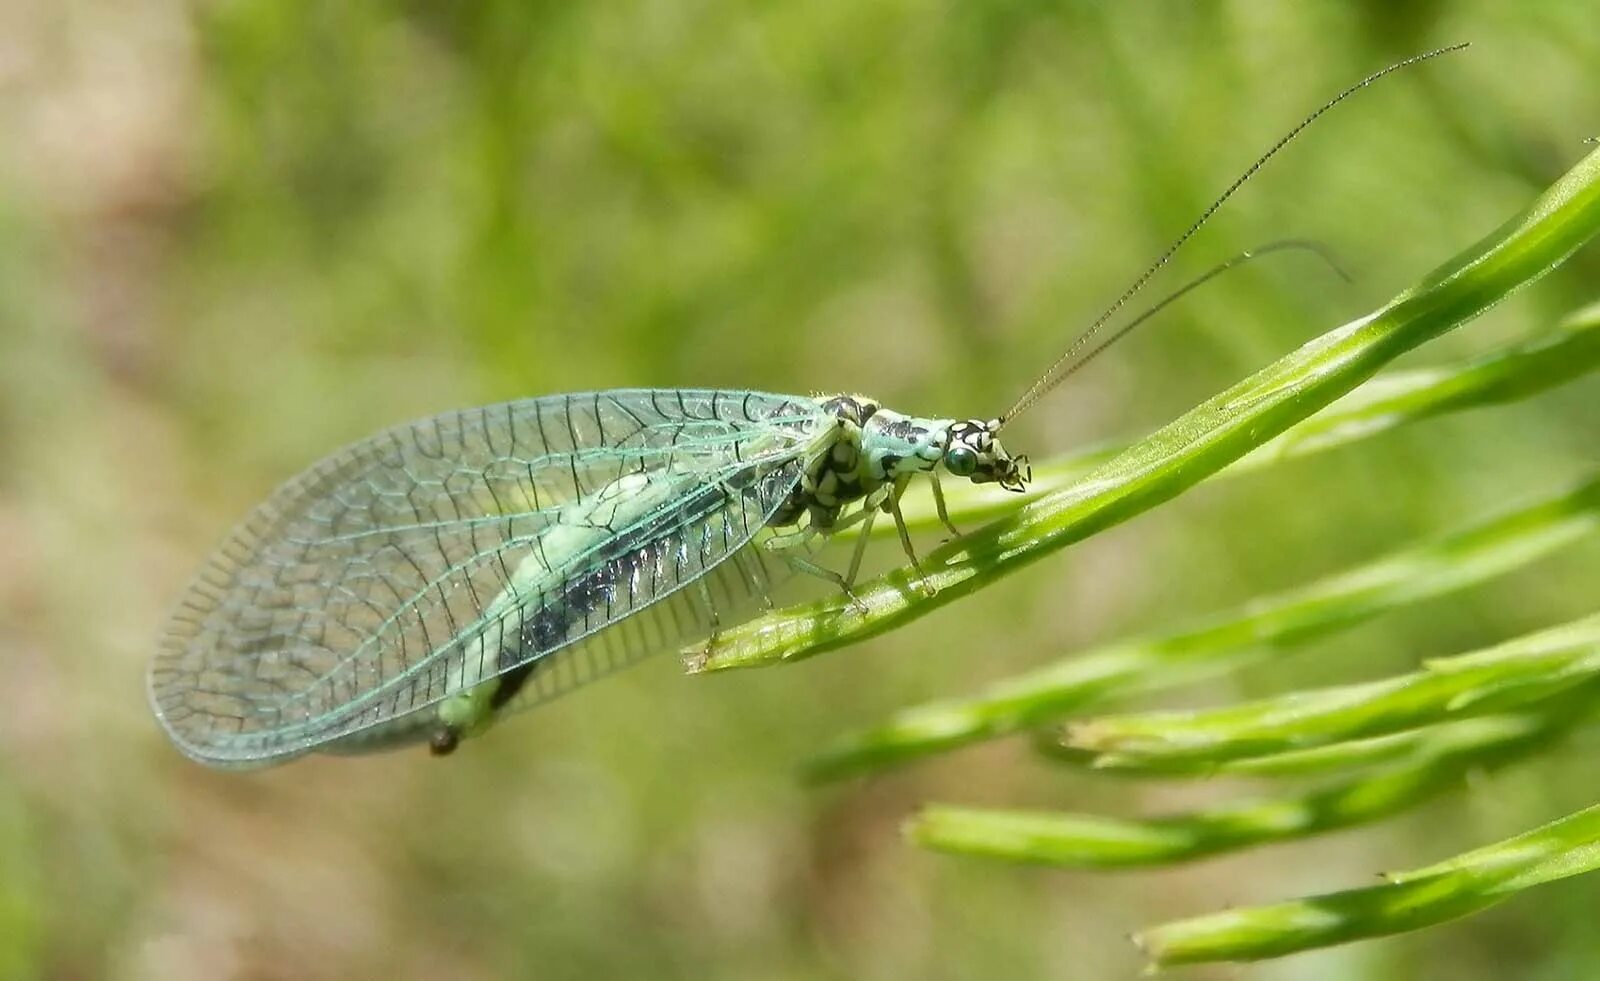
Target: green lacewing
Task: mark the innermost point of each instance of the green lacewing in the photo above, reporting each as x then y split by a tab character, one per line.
419	584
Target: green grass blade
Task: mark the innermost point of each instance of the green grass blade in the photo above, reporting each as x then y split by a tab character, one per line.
1465	736
1388	402
1514	675
1516	371
1410	900
1092	841
1463	558
1198	444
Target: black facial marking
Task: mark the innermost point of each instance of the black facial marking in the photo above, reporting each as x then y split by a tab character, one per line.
970	433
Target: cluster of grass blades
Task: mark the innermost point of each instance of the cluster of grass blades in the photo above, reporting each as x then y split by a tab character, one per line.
1380	746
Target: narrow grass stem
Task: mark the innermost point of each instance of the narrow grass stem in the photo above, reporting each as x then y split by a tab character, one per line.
1407	901
1094	841
1195	446
1387	402
1266	626
1514	675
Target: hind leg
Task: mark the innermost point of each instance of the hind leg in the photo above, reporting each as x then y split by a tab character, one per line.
694	660
787	545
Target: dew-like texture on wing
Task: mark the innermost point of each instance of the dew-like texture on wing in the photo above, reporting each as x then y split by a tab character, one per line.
438	555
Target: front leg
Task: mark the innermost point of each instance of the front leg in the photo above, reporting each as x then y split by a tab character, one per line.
893	503
939	506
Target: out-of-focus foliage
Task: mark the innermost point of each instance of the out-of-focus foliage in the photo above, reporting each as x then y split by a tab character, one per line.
237	234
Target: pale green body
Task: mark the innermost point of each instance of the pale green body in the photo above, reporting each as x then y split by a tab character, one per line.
421	583
468	711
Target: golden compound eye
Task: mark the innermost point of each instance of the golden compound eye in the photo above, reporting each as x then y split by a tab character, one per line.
961	461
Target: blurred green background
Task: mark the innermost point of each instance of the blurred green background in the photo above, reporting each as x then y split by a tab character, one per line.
234	235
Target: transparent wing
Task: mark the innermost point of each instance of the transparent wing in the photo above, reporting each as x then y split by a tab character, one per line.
468	546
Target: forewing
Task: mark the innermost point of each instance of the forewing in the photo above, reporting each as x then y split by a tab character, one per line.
442	553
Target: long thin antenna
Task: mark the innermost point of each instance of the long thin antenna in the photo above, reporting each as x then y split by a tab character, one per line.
1065	365
1238	259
